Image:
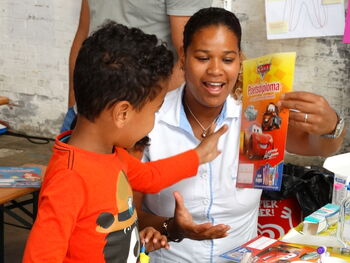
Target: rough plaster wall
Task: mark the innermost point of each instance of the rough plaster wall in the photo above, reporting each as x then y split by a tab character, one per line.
322	66
35	39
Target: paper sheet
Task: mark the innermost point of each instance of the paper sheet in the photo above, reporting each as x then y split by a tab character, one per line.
304	18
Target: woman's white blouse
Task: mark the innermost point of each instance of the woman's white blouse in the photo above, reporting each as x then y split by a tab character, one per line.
210	196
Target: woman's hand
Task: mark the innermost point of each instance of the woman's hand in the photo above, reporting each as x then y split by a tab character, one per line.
185	227
310	117
309	112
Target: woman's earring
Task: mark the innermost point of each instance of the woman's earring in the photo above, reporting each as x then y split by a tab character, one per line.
238	93
238	89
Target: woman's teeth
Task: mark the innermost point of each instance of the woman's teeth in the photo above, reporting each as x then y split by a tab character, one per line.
214	85
217	84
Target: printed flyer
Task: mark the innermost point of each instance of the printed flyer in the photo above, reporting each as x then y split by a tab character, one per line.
264	125
267	250
21	176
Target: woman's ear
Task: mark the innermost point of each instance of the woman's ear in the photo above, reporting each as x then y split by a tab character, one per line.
238	88
121	112
182	57
242	56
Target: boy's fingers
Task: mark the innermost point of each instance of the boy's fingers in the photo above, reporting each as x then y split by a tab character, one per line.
222	130
212	128
219	132
163	241
148	236
157	237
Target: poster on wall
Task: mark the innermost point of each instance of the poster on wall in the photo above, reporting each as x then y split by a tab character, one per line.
304	18
346	38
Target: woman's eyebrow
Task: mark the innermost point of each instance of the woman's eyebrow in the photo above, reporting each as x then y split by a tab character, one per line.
231	51
208	51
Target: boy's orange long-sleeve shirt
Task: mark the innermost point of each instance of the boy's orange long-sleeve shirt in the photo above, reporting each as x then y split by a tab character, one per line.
86	211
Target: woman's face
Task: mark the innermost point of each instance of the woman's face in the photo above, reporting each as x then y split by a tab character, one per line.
211	64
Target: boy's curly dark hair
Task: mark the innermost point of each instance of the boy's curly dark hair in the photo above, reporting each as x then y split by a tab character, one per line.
118	63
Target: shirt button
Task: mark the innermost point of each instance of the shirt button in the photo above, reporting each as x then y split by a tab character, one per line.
204	175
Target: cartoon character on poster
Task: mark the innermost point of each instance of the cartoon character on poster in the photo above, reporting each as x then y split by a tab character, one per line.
256	143
271	118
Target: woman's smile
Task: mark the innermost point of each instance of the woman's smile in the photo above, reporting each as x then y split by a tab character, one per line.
213	87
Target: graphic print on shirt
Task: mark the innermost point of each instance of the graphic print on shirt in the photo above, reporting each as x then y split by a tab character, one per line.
122	240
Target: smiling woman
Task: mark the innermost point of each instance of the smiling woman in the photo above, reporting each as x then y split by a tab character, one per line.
211	63
211	207
211	59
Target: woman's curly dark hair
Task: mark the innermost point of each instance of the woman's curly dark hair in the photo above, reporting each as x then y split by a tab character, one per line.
118	63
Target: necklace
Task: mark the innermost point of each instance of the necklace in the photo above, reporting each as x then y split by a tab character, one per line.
205	130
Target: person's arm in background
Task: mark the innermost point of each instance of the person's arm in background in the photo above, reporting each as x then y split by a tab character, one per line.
177	24
305	133
81	34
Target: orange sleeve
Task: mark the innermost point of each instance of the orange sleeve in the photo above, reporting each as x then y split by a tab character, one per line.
151	177
61	200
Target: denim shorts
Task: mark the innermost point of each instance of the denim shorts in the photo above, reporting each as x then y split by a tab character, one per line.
68	119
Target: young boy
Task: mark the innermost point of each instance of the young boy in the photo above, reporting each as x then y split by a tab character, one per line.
86	211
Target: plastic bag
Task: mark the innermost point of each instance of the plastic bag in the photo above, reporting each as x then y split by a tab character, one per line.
311	187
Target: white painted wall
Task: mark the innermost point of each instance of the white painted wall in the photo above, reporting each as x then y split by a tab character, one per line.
35	39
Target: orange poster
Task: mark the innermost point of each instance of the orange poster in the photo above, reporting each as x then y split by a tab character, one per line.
264	126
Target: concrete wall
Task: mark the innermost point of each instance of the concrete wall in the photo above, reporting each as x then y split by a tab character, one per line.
35	38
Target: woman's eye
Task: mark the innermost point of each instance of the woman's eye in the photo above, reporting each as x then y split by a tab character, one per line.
202	58
228	60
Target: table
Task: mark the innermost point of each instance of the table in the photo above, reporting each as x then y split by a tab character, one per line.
8	202
326	238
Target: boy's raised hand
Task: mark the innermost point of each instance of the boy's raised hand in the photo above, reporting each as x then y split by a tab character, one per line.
153	239
207	150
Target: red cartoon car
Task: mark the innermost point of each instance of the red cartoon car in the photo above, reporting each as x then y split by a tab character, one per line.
256	143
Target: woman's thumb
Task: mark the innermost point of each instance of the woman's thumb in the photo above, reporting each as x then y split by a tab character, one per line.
179	201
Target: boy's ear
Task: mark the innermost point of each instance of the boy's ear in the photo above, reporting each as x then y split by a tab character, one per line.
121	113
